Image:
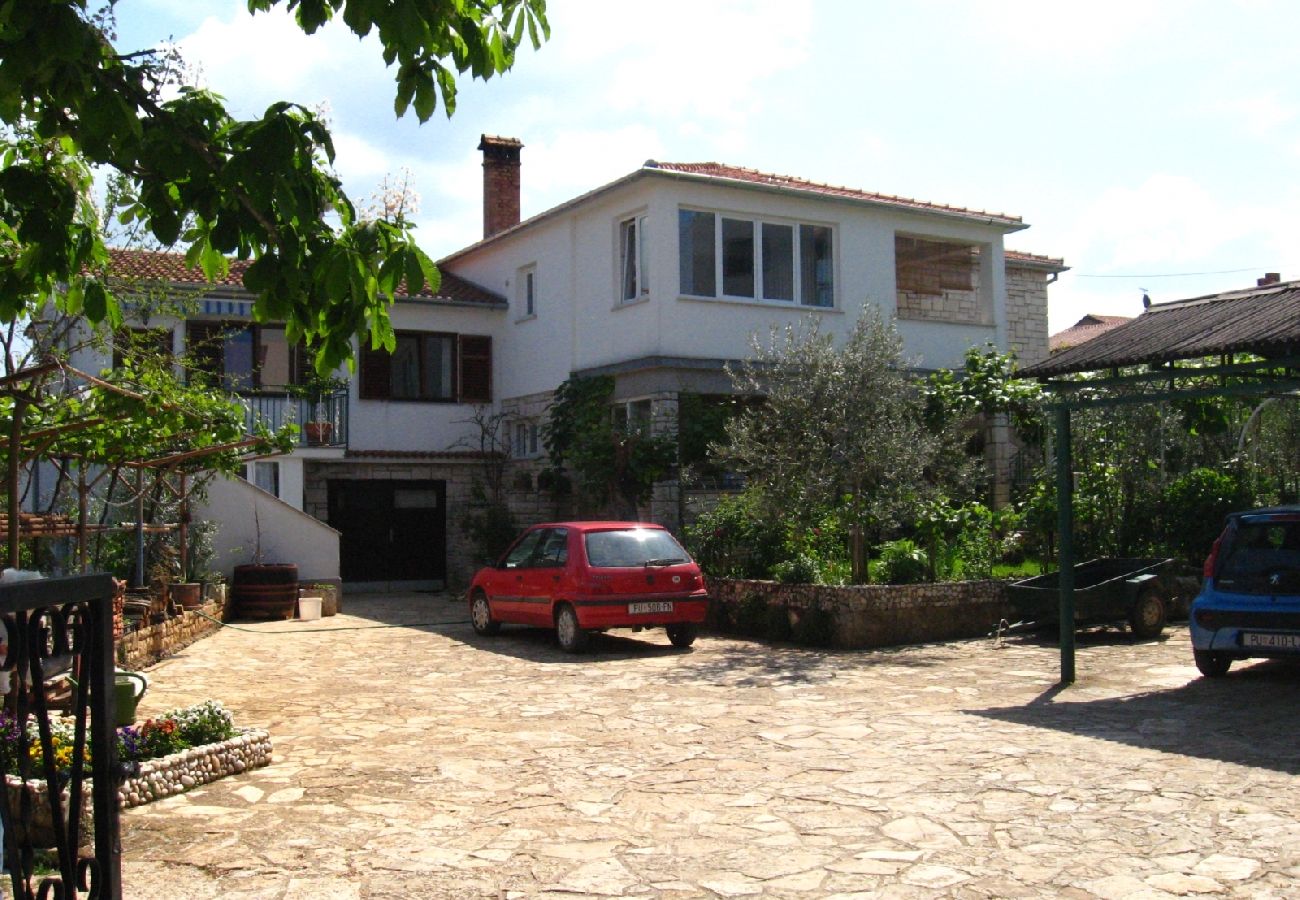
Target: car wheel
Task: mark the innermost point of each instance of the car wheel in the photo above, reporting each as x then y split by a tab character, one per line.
1147	617
573	638
681	634
1211	664
480	614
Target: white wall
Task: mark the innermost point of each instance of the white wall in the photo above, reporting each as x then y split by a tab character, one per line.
580	324
287	535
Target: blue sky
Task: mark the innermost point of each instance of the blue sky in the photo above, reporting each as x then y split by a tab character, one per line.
1141	140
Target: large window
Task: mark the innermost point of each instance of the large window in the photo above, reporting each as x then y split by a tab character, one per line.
429	366
244	356
632	280
755	260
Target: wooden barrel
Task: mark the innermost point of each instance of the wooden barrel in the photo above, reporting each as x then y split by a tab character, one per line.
265	591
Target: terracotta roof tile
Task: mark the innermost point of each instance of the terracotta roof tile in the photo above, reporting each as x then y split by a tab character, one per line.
1087	328
1035	260
787	182
154	265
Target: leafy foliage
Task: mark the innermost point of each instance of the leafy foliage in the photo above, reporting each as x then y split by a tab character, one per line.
256	189
611	465
736	539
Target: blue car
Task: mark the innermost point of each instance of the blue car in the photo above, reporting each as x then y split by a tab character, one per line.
1249	605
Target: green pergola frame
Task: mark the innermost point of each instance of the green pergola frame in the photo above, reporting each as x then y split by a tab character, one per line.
1163	381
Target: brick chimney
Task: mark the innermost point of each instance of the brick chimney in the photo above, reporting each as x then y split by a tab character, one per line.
1269	278
500	183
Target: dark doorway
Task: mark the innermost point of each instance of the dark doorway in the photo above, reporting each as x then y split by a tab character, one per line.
391	530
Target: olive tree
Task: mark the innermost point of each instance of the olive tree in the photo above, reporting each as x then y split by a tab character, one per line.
840	428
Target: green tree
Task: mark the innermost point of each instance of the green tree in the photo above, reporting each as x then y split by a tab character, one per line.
256	189
838	429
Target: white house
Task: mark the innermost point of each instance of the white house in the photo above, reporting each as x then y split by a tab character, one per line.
658	278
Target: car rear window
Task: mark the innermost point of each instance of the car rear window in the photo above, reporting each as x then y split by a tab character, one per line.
633	547
1263	556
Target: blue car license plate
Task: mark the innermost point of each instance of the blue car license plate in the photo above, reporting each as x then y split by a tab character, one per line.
1267	641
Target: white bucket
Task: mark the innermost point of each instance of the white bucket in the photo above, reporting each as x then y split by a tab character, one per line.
309	607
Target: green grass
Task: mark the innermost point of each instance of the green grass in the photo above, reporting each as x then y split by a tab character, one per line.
1027	569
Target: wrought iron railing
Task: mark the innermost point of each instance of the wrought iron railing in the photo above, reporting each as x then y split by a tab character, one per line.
321	423
61	626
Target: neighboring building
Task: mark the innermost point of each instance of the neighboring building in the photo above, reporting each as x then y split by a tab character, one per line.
658	278
1087	328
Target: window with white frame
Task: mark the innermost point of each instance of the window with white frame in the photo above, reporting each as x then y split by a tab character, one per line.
525	442
526	286
633	283
755	259
633	416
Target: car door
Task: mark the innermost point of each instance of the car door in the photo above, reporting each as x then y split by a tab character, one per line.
508	590
543	576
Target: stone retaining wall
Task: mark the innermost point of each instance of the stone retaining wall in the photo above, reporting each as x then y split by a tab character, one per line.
179	772
147	645
872	615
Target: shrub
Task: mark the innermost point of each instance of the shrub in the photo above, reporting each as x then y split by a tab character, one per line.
902	562
205	723
1195	506
735	539
801	569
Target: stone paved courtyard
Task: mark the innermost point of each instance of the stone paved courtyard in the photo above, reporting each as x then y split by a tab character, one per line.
422	761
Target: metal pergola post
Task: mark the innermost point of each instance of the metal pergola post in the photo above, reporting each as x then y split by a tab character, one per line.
1065	530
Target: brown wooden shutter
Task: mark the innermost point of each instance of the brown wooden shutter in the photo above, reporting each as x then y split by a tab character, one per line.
475	352
376	374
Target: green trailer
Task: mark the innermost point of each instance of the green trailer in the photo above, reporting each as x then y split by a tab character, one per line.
1109	589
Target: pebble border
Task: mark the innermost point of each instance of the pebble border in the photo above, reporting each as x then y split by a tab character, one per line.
177	773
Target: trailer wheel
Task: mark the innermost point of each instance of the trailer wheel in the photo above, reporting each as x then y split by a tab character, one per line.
1147	617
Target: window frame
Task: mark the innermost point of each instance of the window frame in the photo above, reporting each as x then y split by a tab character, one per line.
799	230
526	291
640	276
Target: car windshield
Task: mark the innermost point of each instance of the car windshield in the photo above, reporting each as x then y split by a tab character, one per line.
1263	557
633	547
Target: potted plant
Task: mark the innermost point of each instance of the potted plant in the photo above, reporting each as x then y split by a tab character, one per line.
317	391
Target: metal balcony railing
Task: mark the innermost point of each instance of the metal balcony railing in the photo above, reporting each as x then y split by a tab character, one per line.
321	423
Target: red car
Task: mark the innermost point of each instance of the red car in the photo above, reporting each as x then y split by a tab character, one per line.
580	577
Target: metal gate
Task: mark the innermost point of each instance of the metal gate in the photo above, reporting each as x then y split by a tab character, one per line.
61	625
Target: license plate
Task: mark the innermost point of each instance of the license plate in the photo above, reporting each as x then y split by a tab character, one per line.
1271	641
655	606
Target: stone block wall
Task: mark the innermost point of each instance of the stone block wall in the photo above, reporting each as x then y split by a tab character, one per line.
145	646
1027	313
879	615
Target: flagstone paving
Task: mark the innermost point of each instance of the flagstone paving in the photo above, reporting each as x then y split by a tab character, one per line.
421	761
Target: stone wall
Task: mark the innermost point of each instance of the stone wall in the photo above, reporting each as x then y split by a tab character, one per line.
1027	313
147	645
876	615
181	771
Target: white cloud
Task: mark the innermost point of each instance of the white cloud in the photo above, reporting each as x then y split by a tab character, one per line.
255	60
1072	31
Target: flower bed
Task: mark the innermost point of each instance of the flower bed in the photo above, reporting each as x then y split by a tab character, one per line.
174	752
178	772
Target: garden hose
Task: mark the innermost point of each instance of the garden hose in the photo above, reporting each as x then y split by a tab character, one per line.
336	628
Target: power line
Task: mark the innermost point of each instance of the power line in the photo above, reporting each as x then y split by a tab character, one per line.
1176	274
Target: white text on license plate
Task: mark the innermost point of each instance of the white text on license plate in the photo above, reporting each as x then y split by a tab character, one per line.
655	606
1271	641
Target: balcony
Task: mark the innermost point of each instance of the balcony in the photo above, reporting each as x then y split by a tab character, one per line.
321	423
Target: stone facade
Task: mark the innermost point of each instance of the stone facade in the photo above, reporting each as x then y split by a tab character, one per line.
943	289
875	615
1027	313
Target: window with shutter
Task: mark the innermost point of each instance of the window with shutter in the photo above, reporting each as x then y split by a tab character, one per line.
475	369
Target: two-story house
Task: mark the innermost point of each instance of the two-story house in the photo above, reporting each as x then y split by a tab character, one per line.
658	278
